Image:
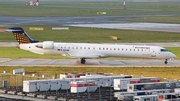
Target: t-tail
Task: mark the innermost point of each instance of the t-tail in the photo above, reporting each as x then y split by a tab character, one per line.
20	35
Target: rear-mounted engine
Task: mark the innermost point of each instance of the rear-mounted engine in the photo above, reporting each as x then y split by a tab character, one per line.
46	45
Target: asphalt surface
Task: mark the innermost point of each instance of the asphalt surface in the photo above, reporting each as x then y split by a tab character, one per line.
15	97
89	62
92	22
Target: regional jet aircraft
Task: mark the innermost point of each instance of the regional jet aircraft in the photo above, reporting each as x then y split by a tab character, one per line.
87	50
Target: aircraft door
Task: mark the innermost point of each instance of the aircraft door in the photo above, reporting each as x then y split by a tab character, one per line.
153	52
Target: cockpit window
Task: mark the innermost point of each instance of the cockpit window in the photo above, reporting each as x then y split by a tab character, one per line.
164	50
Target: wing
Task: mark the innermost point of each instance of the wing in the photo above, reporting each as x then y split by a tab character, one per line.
83	55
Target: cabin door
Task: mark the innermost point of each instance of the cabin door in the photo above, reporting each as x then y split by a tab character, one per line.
153	52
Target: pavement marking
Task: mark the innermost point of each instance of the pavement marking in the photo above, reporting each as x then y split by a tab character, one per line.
5	60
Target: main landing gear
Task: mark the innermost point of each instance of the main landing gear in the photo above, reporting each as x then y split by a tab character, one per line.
83	61
166	61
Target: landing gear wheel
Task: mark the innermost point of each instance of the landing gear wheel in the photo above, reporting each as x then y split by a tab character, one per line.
83	61
165	62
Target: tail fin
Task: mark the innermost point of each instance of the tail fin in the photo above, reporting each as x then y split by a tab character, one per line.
37	2
21	36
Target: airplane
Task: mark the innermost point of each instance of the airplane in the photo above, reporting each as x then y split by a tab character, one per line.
34	3
88	50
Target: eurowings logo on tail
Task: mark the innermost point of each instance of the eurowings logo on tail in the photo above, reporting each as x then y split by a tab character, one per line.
21	36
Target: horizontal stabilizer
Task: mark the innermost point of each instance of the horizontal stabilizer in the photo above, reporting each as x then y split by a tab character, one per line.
12	30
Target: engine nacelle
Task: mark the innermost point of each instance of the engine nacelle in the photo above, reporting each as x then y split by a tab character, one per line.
48	45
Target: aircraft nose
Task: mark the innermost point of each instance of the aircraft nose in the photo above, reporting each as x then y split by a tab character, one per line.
173	55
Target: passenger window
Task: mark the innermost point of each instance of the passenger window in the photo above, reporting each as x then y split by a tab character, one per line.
134	49
64	47
122	49
76	47
103	48
72	47
84	47
130	49
99	48
94	48
126	49
68	47
118	49
88	47
142	50
110	49
61	47
114	48
106	48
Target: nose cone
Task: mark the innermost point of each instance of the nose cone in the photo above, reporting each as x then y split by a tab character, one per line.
172	55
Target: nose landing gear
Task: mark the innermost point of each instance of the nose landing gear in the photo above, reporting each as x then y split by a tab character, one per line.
83	61
166	61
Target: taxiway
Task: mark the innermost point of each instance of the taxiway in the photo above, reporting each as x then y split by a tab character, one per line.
89	62
92	22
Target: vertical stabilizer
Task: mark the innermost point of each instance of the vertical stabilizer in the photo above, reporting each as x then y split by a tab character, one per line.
124	5
21	36
37	2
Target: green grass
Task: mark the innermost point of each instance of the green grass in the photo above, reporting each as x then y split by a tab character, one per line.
77	34
175	50
13	52
162	72
160	19
72	8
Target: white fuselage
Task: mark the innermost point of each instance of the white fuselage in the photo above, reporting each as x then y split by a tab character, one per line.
85	50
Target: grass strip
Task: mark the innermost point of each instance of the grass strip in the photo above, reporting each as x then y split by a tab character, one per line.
56	9
91	35
162	72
